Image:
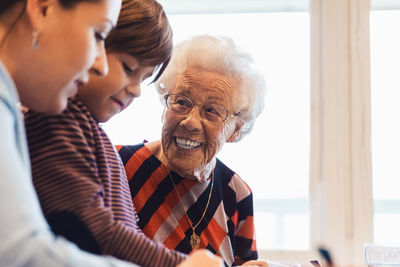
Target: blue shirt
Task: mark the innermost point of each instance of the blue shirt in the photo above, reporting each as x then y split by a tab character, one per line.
25	237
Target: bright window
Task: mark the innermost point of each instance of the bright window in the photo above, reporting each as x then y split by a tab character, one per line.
385	70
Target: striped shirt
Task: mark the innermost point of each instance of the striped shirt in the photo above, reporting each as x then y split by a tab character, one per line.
227	228
83	189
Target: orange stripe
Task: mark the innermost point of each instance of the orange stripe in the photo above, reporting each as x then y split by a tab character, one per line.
136	161
247	229
254	245
161	214
235	218
172	199
183	188
164	211
156	221
213	234
177	235
148	188
186	186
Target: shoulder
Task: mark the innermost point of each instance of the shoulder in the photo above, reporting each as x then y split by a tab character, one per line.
8	92
127	151
129	148
69	132
234	181
12	133
75	119
40	121
154	147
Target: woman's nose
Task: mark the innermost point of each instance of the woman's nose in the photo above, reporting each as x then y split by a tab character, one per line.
100	65
192	120
134	90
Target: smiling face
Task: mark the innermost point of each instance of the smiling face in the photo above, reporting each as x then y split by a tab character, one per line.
190	143
71	45
109	95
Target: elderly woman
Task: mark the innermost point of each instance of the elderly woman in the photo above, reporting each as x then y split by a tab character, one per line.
185	197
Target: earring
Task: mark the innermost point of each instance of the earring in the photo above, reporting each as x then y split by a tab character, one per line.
35	40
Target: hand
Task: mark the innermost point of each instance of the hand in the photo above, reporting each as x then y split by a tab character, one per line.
264	263
201	258
256	263
278	264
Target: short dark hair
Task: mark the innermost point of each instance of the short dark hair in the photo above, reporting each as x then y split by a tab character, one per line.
144	32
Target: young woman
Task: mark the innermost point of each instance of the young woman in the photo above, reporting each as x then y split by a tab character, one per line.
79	178
47	49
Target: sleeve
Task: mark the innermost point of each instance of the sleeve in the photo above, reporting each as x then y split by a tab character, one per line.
67	180
245	241
25	238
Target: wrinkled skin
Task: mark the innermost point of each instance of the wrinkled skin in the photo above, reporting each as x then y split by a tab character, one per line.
189	142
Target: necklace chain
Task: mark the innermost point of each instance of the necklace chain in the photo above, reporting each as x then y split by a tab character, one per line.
194	239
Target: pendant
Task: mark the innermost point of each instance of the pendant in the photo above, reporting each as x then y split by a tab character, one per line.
194	241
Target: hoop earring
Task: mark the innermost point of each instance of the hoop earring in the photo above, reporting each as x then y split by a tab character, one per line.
35	40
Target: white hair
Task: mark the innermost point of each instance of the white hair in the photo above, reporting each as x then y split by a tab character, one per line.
219	54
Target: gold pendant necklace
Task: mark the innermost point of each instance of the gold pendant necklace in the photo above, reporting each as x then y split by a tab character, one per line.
194	238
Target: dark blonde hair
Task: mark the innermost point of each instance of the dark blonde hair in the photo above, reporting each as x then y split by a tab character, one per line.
144	32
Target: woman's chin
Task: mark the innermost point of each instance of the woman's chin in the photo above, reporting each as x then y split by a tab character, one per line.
53	108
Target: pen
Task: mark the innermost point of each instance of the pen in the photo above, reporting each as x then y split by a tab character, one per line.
326	256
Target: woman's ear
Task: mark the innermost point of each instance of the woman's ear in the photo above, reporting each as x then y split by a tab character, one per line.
235	135
36	11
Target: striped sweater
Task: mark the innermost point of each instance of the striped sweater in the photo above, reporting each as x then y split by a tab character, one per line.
227	228
83	189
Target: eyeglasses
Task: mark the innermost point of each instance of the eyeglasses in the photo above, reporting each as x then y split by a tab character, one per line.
182	105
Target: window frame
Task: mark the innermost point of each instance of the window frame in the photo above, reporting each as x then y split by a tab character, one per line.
341	128
341	200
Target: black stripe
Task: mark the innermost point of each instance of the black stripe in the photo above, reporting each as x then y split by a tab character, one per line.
242	249
155	201
246	205
140	177
126	152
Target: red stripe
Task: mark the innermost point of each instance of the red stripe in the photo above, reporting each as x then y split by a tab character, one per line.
148	188
136	161
176	236
247	228
213	234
